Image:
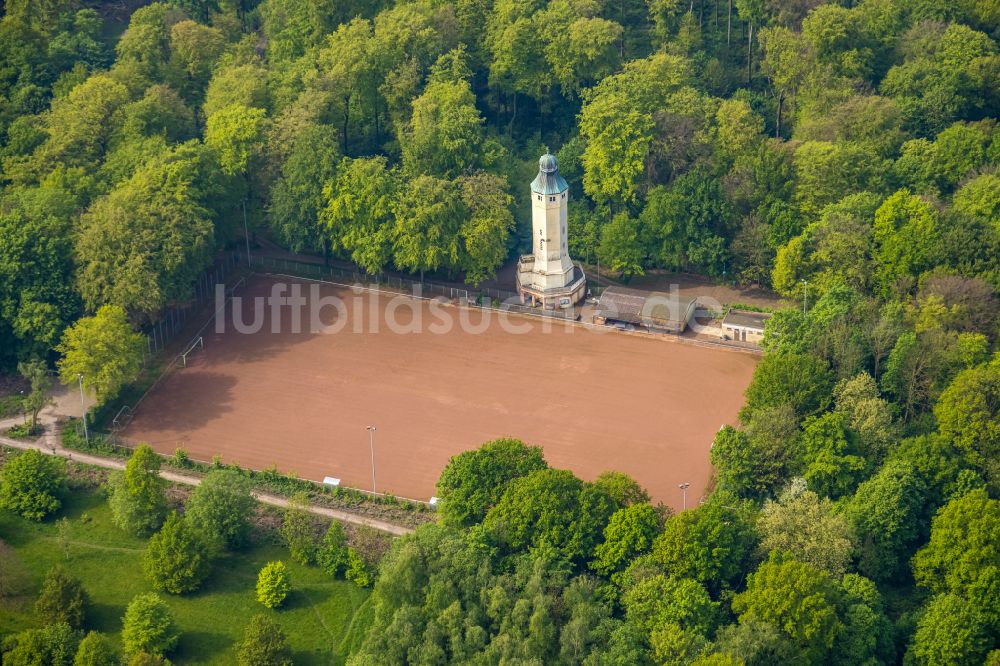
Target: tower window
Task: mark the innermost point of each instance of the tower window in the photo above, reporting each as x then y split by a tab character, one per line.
552	198
539	197
563	195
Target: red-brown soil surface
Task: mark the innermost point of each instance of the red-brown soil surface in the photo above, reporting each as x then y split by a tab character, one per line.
594	400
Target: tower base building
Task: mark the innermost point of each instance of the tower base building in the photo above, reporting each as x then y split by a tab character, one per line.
548	277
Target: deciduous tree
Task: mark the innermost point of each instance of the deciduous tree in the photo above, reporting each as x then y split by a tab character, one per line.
32	484
178	557
273	584
221	506
264	644
473	482
148	626
137	499
62	599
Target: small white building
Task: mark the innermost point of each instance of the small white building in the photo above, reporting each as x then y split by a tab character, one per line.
744	326
547	276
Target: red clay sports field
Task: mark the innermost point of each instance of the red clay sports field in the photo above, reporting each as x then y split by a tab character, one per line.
595	401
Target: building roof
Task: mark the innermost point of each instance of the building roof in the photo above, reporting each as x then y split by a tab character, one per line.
548	180
634	306
746	319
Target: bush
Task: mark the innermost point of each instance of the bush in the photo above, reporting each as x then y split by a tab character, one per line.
62	599
181	458
148	626
31	484
298	530
178	557
221	506
24	431
273	584
333	552
96	650
53	645
137	498
264	644
358	570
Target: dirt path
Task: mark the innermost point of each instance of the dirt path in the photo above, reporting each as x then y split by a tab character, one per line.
48	445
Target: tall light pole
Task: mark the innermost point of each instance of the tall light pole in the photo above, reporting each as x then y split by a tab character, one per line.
371	444
83	405
805	295
684	489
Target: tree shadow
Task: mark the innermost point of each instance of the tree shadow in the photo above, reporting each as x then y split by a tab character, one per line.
202	645
184	401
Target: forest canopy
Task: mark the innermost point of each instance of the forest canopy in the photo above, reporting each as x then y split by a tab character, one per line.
842	154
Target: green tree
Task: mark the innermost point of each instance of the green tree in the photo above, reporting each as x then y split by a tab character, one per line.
952	632
617	124
630	532
968	415
805	526
621	247
62	599
487	226
195	49
622	488
221	506
96	649
945	472
868	414
428	221
79	125
358	211
243	84
711	544
751	463
298	529
445	136
659	600
148	626
802	381
273	584
905	233
832	461
143	245
550	507
104	349
264	644
53	644
797	599
36	371
886	512
359	570
473	482
963	554
32	484
297	195
236	133
178	558
37	299
332	553
137	498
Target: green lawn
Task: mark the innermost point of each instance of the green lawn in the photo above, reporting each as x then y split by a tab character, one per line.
317	616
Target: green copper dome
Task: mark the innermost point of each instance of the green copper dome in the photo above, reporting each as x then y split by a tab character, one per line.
548	180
